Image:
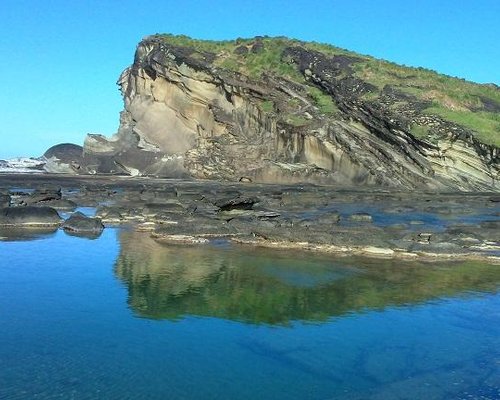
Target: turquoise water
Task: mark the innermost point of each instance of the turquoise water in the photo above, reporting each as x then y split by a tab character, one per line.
122	317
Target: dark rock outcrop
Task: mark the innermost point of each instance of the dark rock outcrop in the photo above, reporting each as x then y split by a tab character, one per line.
29	216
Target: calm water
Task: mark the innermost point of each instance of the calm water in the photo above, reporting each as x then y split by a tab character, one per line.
122	317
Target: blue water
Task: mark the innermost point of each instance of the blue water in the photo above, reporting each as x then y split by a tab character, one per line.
122	317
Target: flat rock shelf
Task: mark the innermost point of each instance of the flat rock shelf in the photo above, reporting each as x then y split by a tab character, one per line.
373	223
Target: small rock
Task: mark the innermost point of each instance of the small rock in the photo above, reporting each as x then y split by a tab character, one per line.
245	179
424	237
112	216
80	223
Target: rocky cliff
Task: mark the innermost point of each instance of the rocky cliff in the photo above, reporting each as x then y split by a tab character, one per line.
279	110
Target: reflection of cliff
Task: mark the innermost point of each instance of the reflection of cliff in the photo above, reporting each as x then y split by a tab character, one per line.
249	285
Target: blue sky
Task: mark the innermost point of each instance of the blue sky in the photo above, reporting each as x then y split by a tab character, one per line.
61	59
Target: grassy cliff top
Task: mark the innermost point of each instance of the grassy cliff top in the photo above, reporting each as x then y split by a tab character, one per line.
473	106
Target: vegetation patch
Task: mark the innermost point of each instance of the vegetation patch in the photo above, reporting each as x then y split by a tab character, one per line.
267	106
486	126
323	101
295	120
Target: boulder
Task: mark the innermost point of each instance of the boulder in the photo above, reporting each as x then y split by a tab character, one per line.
63	158
80	223
29	216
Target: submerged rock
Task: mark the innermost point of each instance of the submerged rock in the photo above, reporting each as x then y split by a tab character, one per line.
29	216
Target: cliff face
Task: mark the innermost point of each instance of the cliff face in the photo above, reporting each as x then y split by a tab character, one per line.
190	112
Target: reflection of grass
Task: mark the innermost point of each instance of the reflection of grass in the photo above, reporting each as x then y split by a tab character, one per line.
171	283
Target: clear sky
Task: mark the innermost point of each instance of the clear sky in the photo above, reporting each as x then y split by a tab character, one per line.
60	59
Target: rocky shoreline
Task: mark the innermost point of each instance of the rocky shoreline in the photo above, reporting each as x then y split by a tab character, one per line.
344	221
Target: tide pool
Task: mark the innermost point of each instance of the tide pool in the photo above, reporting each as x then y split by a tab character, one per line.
123	317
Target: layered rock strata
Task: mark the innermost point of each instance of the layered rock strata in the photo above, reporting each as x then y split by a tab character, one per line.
186	115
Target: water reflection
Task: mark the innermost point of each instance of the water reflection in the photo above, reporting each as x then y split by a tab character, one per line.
13	234
262	286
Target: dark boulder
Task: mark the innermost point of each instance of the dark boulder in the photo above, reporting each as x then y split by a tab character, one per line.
64	158
237	203
80	223
29	216
65	152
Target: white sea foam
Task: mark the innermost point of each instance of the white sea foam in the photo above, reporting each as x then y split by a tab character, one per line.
22	165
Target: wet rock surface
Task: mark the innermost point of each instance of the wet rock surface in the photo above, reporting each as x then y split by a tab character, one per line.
29	216
376	223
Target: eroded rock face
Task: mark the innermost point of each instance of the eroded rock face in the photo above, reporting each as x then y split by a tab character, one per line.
186	117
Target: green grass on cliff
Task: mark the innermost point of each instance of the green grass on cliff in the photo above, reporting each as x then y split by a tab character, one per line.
486	125
323	101
473	106
453	99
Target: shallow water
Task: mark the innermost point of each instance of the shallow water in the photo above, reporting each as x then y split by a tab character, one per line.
122	317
